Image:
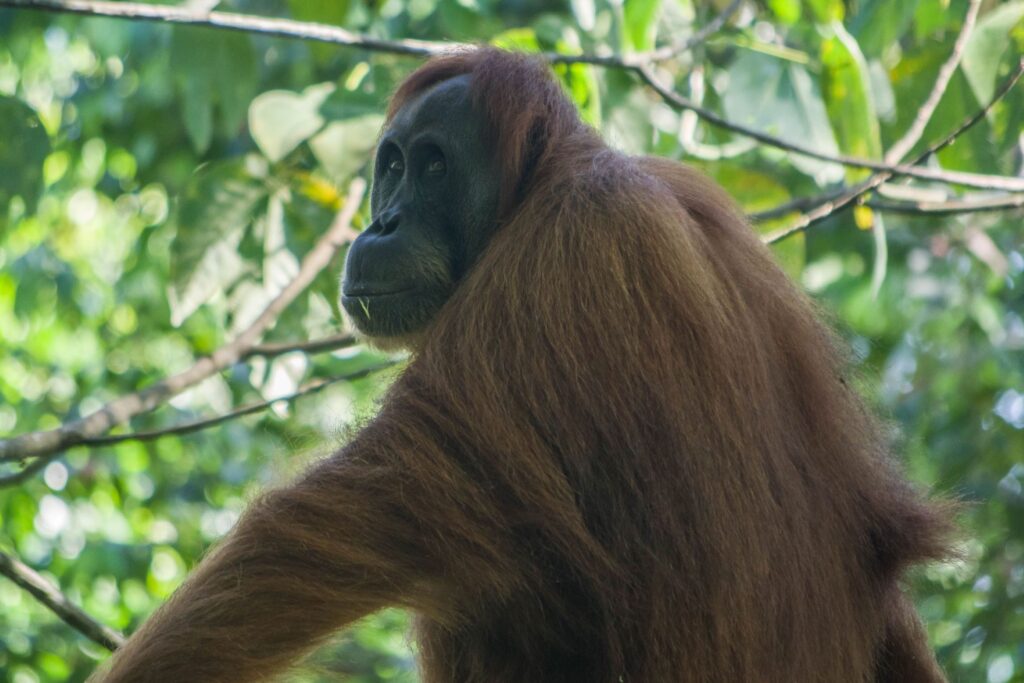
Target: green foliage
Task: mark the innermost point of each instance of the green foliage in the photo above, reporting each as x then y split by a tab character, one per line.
158	185
23	147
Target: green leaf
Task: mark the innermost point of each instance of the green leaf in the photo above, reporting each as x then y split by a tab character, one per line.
281	120
197	109
212	68
826	10
641	18
24	146
929	17
212	216
781	99
234	81
788	11
846	86
986	46
343	147
881	23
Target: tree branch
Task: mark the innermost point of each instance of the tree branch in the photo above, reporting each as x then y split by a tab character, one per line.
325	33
853	193
198	425
900	148
45	445
333	343
640	63
58	603
950	207
977	180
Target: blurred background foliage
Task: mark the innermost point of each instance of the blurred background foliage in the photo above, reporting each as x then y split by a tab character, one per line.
158	184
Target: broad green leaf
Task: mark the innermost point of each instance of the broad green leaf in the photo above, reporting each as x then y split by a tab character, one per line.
930	16
986	46
881	23
211	218
280	120
234	81
781	99
846	87
641	18
343	147
24	146
212	69
826	10
788	11
197	110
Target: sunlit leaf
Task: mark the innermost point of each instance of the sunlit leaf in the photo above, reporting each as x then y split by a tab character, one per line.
781	98
846	87
986	46
641	18
280	120
211	218
345	146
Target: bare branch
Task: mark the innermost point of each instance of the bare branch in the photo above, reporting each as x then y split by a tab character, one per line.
950	207
977	180
333	343
900	148
198	425
853	193
640	63
324	33
45	445
284	28
58	603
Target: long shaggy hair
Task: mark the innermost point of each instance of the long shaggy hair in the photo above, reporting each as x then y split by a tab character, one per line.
623	452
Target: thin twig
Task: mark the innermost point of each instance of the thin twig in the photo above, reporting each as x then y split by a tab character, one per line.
856	191
900	148
977	180
333	343
198	425
950	207
58	603
798	204
46	444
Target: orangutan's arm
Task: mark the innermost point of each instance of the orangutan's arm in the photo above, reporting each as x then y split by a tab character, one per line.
356	533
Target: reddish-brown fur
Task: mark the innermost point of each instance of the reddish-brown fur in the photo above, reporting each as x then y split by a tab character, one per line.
623	452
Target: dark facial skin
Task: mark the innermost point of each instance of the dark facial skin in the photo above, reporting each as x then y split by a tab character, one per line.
434	205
